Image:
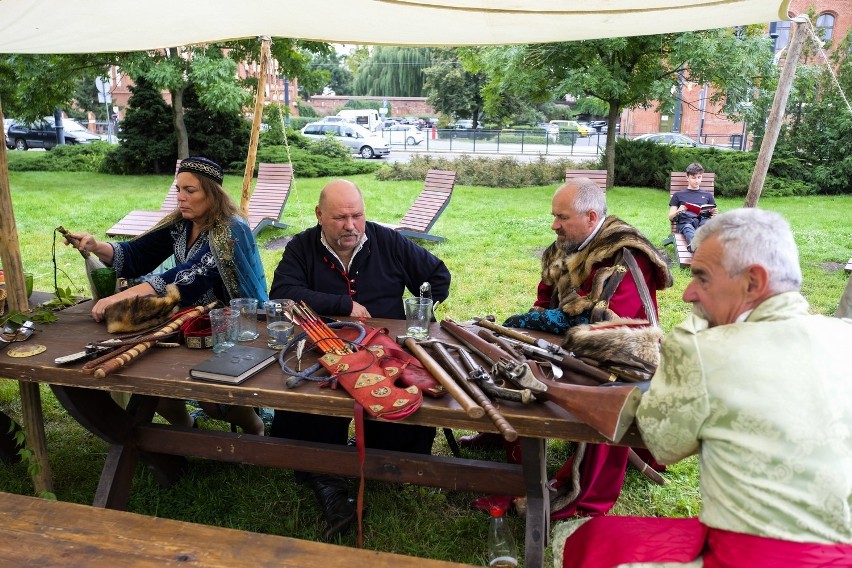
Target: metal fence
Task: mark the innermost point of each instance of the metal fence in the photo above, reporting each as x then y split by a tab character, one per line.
518	141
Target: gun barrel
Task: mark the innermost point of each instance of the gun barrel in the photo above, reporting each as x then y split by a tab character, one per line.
509	433
470	407
609	410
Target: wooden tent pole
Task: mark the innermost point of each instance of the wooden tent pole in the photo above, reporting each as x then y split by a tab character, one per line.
776	114
265	56
10	256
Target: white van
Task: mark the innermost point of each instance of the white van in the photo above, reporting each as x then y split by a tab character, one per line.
367	117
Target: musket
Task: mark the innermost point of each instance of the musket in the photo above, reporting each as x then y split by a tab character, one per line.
462	378
468	404
522	337
609	410
487	383
578	371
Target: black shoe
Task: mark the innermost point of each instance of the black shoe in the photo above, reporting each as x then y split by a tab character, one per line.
481	440
337	507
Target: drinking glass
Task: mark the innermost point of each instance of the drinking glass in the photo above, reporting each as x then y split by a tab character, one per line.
224	323
418	314
279	326
247	308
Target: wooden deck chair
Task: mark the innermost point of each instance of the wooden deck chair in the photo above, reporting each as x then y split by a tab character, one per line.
137	222
269	196
678	182
418	221
597	176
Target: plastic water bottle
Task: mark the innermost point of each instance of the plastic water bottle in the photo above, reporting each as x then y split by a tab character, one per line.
501	545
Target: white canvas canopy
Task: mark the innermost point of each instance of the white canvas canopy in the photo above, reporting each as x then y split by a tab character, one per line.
93	26
96	26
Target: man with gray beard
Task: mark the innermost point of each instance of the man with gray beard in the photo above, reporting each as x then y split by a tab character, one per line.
579	271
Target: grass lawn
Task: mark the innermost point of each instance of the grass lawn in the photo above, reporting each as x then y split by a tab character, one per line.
494	239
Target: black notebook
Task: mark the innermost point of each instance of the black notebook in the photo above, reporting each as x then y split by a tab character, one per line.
234	365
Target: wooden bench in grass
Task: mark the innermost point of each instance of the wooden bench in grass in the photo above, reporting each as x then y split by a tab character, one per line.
269	197
597	176
40	532
421	216
137	222
678	182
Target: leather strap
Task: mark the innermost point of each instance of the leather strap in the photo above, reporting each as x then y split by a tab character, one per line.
360	443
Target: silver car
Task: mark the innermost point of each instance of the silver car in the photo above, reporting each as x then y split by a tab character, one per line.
361	140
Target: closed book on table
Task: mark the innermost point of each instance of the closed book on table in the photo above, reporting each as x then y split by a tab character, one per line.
234	365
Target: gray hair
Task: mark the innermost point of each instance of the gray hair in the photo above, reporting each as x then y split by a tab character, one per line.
755	236
588	196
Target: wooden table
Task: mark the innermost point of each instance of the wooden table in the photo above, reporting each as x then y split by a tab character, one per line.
165	372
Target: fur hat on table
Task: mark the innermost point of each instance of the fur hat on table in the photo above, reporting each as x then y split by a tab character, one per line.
142	312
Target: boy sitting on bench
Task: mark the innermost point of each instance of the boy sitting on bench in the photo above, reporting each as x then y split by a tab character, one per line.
692	207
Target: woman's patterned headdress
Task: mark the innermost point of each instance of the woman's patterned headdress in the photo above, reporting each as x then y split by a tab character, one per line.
202	166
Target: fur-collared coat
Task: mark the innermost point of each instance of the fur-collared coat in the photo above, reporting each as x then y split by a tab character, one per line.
578	279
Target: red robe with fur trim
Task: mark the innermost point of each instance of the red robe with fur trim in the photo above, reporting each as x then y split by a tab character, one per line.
603	467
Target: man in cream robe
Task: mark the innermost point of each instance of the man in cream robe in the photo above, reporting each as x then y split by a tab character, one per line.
760	390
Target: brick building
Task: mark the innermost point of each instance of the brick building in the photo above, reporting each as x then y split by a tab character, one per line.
704	121
399	106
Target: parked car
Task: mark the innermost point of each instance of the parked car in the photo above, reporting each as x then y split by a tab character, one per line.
572	126
598	125
403	134
42	134
551	130
335	119
387	123
361	140
465	124
672	139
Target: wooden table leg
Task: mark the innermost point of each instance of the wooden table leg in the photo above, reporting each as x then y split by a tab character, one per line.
538	501
33	418
97	412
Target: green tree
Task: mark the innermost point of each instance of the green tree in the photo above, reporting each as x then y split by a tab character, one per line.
33	86
338	77
356	58
212	70
452	90
393	72
147	138
818	128
627	72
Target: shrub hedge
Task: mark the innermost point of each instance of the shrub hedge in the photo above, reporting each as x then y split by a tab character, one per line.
488	172
646	164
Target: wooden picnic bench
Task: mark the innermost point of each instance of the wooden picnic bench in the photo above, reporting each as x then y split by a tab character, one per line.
678	182
133	437
41	532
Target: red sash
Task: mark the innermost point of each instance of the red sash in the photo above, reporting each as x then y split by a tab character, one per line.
603	542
